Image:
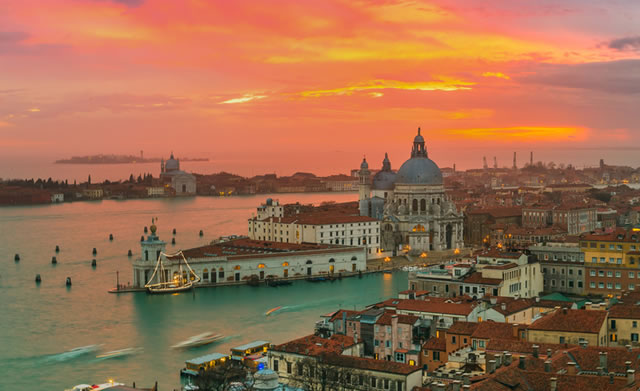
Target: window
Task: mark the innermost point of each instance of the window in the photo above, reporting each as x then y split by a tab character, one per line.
288	367
481	344
562	340
634	337
632	287
375	342
609	285
612	260
436	356
619	261
600	273
592	273
453	339
602	260
632	274
373	382
609	273
611	247
388	343
613	337
592	285
580	284
619	247
399	357
275	365
601	285
634	324
618	285
579	272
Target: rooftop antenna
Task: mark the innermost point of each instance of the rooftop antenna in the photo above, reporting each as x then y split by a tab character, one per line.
495	162
484	162
515	165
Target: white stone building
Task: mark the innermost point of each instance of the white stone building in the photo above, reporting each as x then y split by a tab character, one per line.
242	259
181	182
415	211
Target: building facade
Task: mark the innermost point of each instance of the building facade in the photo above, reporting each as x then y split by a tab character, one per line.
182	183
562	267
612	261
416	213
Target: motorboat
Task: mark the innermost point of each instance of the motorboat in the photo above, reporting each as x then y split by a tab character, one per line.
198	340
272	310
119	353
95	387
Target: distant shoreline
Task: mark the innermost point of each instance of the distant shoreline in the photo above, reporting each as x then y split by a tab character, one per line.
118	159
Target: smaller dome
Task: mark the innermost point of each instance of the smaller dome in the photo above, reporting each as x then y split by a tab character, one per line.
418	138
384	180
364	164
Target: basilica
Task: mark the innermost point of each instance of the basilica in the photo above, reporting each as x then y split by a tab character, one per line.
181	183
414	211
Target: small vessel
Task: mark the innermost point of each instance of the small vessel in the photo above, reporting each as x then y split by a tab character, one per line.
182	281
95	387
119	353
272	310
198	340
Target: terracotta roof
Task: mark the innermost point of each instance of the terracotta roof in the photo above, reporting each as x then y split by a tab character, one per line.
521	347
371	364
494	330
476	278
613	236
505	266
577	321
588	359
625	311
495	253
436	343
498	212
451	308
338	314
463	328
312	345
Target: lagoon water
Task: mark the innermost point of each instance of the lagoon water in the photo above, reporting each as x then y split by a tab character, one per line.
39	323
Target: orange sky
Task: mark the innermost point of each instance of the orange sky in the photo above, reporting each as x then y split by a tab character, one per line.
295	85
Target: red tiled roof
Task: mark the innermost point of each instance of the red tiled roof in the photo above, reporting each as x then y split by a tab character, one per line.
577	321
436	343
588	359
494	330
435	307
463	328
520	347
498	212
370	364
476	278
625	311
312	345
613	236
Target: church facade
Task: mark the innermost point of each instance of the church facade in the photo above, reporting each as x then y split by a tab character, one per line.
415	212
182	183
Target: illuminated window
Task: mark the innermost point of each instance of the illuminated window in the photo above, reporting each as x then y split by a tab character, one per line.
236	267
261	266
285	263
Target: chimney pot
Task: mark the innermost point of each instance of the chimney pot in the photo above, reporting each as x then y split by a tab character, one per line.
548	352
571	368
603	361
491	366
535	350
547	366
466	380
507	359
554	384
503	306
627	364
521	362
631	376
628	347
456	385
611	378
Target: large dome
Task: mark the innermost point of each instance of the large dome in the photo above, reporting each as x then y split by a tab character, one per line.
172	164
419	171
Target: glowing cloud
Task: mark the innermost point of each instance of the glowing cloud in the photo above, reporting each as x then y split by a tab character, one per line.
521	133
4	124
443	84
499	75
245	98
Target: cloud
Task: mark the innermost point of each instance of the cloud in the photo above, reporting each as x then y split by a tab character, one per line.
626	43
499	75
128	3
619	77
12	37
4	124
441	84
245	98
520	133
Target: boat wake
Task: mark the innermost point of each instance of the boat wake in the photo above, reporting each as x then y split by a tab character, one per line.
120	353
71	354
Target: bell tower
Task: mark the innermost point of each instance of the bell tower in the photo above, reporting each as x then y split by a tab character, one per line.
364	187
151	248
418	150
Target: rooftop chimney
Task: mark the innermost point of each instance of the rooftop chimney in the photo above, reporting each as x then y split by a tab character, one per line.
554	384
631	376
547	366
521	363
507	359
628	347
466	379
571	368
466	387
491	366
455	386
603	361
503	306
548	353
535	351
611	378
627	365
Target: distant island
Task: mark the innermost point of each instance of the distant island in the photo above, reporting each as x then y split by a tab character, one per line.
119	159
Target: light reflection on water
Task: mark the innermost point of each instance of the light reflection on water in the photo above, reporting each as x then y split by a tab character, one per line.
40	324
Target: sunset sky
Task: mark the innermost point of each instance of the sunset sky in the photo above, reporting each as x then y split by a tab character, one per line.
285	86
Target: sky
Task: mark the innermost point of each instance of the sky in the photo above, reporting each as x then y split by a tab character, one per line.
291	85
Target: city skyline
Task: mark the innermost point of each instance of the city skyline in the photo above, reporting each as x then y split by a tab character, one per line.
323	83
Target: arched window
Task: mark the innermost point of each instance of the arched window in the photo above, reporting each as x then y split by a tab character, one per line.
415	205
146	255
285	263
261	266
354	258
236	267
423	205
205	274
309	262
418	228
221	269
332	260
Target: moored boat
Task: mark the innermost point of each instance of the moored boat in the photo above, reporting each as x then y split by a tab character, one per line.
161	283
95	387
198	340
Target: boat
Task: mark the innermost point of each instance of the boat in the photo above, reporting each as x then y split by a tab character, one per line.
95	387
272	310
181	280
119	353
316	279
198	340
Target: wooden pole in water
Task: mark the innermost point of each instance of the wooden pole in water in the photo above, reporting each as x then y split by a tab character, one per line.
117	279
